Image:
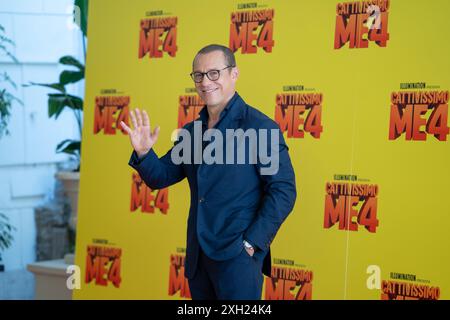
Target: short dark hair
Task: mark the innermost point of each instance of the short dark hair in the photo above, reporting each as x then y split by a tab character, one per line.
230	60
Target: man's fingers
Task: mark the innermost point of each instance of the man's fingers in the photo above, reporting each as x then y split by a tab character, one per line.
125	127
145	118
156	133
133	119
139	117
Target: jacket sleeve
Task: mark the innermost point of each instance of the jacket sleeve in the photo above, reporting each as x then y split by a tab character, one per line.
279	193
157	173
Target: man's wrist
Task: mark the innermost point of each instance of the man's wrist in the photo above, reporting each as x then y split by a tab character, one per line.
141	155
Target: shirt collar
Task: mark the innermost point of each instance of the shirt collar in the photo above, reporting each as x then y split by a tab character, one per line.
231	105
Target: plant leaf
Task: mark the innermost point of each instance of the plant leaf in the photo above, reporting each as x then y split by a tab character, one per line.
70	76
69	146
57	102
56	86
83	10
71	61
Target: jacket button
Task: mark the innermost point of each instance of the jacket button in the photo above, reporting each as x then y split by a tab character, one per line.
201	200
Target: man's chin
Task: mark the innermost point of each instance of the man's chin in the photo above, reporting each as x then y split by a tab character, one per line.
210	102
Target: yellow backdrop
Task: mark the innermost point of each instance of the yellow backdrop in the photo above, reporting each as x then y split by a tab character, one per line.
361	91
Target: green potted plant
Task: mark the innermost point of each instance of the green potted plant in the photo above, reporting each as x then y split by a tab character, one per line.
6	101
60	100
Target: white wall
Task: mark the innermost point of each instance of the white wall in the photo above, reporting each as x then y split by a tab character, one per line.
27	157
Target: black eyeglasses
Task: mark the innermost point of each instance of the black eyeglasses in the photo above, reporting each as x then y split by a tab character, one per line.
212	75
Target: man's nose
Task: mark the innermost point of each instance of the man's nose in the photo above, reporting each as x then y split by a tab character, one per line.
205	80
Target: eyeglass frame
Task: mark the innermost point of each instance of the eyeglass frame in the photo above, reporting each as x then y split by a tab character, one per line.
206	73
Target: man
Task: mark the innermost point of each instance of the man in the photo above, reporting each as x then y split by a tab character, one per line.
235	210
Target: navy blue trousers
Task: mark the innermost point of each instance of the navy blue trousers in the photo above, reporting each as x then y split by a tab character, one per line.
239	278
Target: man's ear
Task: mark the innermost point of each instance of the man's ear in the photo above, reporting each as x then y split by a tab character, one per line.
235	73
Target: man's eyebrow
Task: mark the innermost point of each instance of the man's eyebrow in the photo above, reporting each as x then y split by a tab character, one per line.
206	70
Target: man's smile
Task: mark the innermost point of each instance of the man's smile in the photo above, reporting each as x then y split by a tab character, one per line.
209	90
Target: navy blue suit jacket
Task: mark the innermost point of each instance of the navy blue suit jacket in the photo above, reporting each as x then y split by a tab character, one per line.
229	203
